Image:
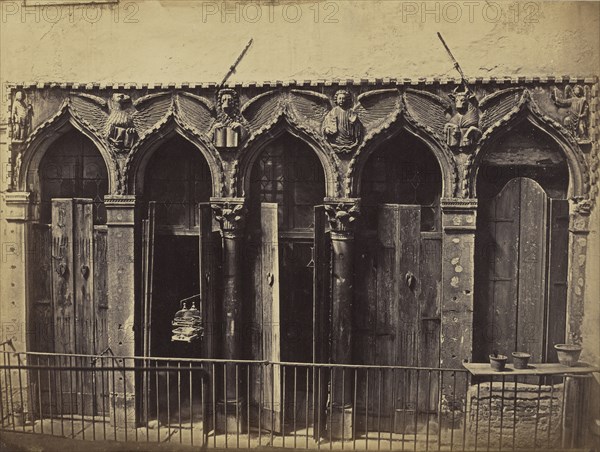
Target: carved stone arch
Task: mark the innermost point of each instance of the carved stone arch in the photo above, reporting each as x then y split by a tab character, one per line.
527	111
135	166
242	167
446	162
46	134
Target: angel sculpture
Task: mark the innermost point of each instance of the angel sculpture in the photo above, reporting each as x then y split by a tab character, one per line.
341	126
576	100
462	130
229	129
119	120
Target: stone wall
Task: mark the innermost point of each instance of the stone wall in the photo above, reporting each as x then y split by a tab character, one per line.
530	404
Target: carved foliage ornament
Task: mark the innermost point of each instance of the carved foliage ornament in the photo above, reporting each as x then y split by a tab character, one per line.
342	215
230	214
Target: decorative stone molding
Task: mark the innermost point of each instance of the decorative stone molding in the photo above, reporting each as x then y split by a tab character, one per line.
230	213
17	206
120	210
342	214
458	214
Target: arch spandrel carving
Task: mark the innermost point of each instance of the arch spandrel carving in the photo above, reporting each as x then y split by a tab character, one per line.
502	118
33	149
379	111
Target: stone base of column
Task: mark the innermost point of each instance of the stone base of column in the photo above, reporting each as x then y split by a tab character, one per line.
341	424
231	417
123	415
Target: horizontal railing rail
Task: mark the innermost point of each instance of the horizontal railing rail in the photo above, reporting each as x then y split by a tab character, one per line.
249	403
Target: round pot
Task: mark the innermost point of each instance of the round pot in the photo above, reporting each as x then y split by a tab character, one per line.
520	360
568	354
498	362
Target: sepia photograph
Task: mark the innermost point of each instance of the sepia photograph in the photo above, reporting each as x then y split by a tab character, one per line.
299	224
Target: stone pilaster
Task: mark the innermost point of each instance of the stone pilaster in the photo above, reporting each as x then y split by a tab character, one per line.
231	215
458	266
16	210
579	216
121	220
342	214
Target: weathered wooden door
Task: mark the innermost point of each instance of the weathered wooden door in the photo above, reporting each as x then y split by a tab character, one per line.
266	342
520	288
390	276
78	298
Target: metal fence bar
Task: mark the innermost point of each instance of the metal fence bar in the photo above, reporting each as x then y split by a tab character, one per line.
426	392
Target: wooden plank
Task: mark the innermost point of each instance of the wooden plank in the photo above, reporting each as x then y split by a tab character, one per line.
101	287
63	283
482	369
429	300
532	270
40	272
210	247
85	309
558	246
321	311
271	347
40	314
503	272
101	307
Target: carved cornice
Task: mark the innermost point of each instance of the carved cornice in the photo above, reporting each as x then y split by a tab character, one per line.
342	214
230	213
318	83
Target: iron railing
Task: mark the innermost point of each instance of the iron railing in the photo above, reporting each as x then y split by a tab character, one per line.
218	403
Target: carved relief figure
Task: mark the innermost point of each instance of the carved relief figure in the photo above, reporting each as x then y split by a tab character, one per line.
121	121
120	128
342	126
20	117
462	130
575	99
229	129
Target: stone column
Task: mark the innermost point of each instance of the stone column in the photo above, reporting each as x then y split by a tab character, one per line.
121	220
458	256
230	213
342	214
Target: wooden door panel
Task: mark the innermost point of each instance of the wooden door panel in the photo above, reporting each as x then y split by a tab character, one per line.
210	253
503	269
271	335
558	246
532	270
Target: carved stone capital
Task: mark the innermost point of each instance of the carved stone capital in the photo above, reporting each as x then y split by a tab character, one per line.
230	213
120	210
459	214
342	214
17	206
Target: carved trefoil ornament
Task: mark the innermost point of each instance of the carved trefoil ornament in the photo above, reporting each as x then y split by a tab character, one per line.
342	127
20	117
462	130
576	100
229	129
